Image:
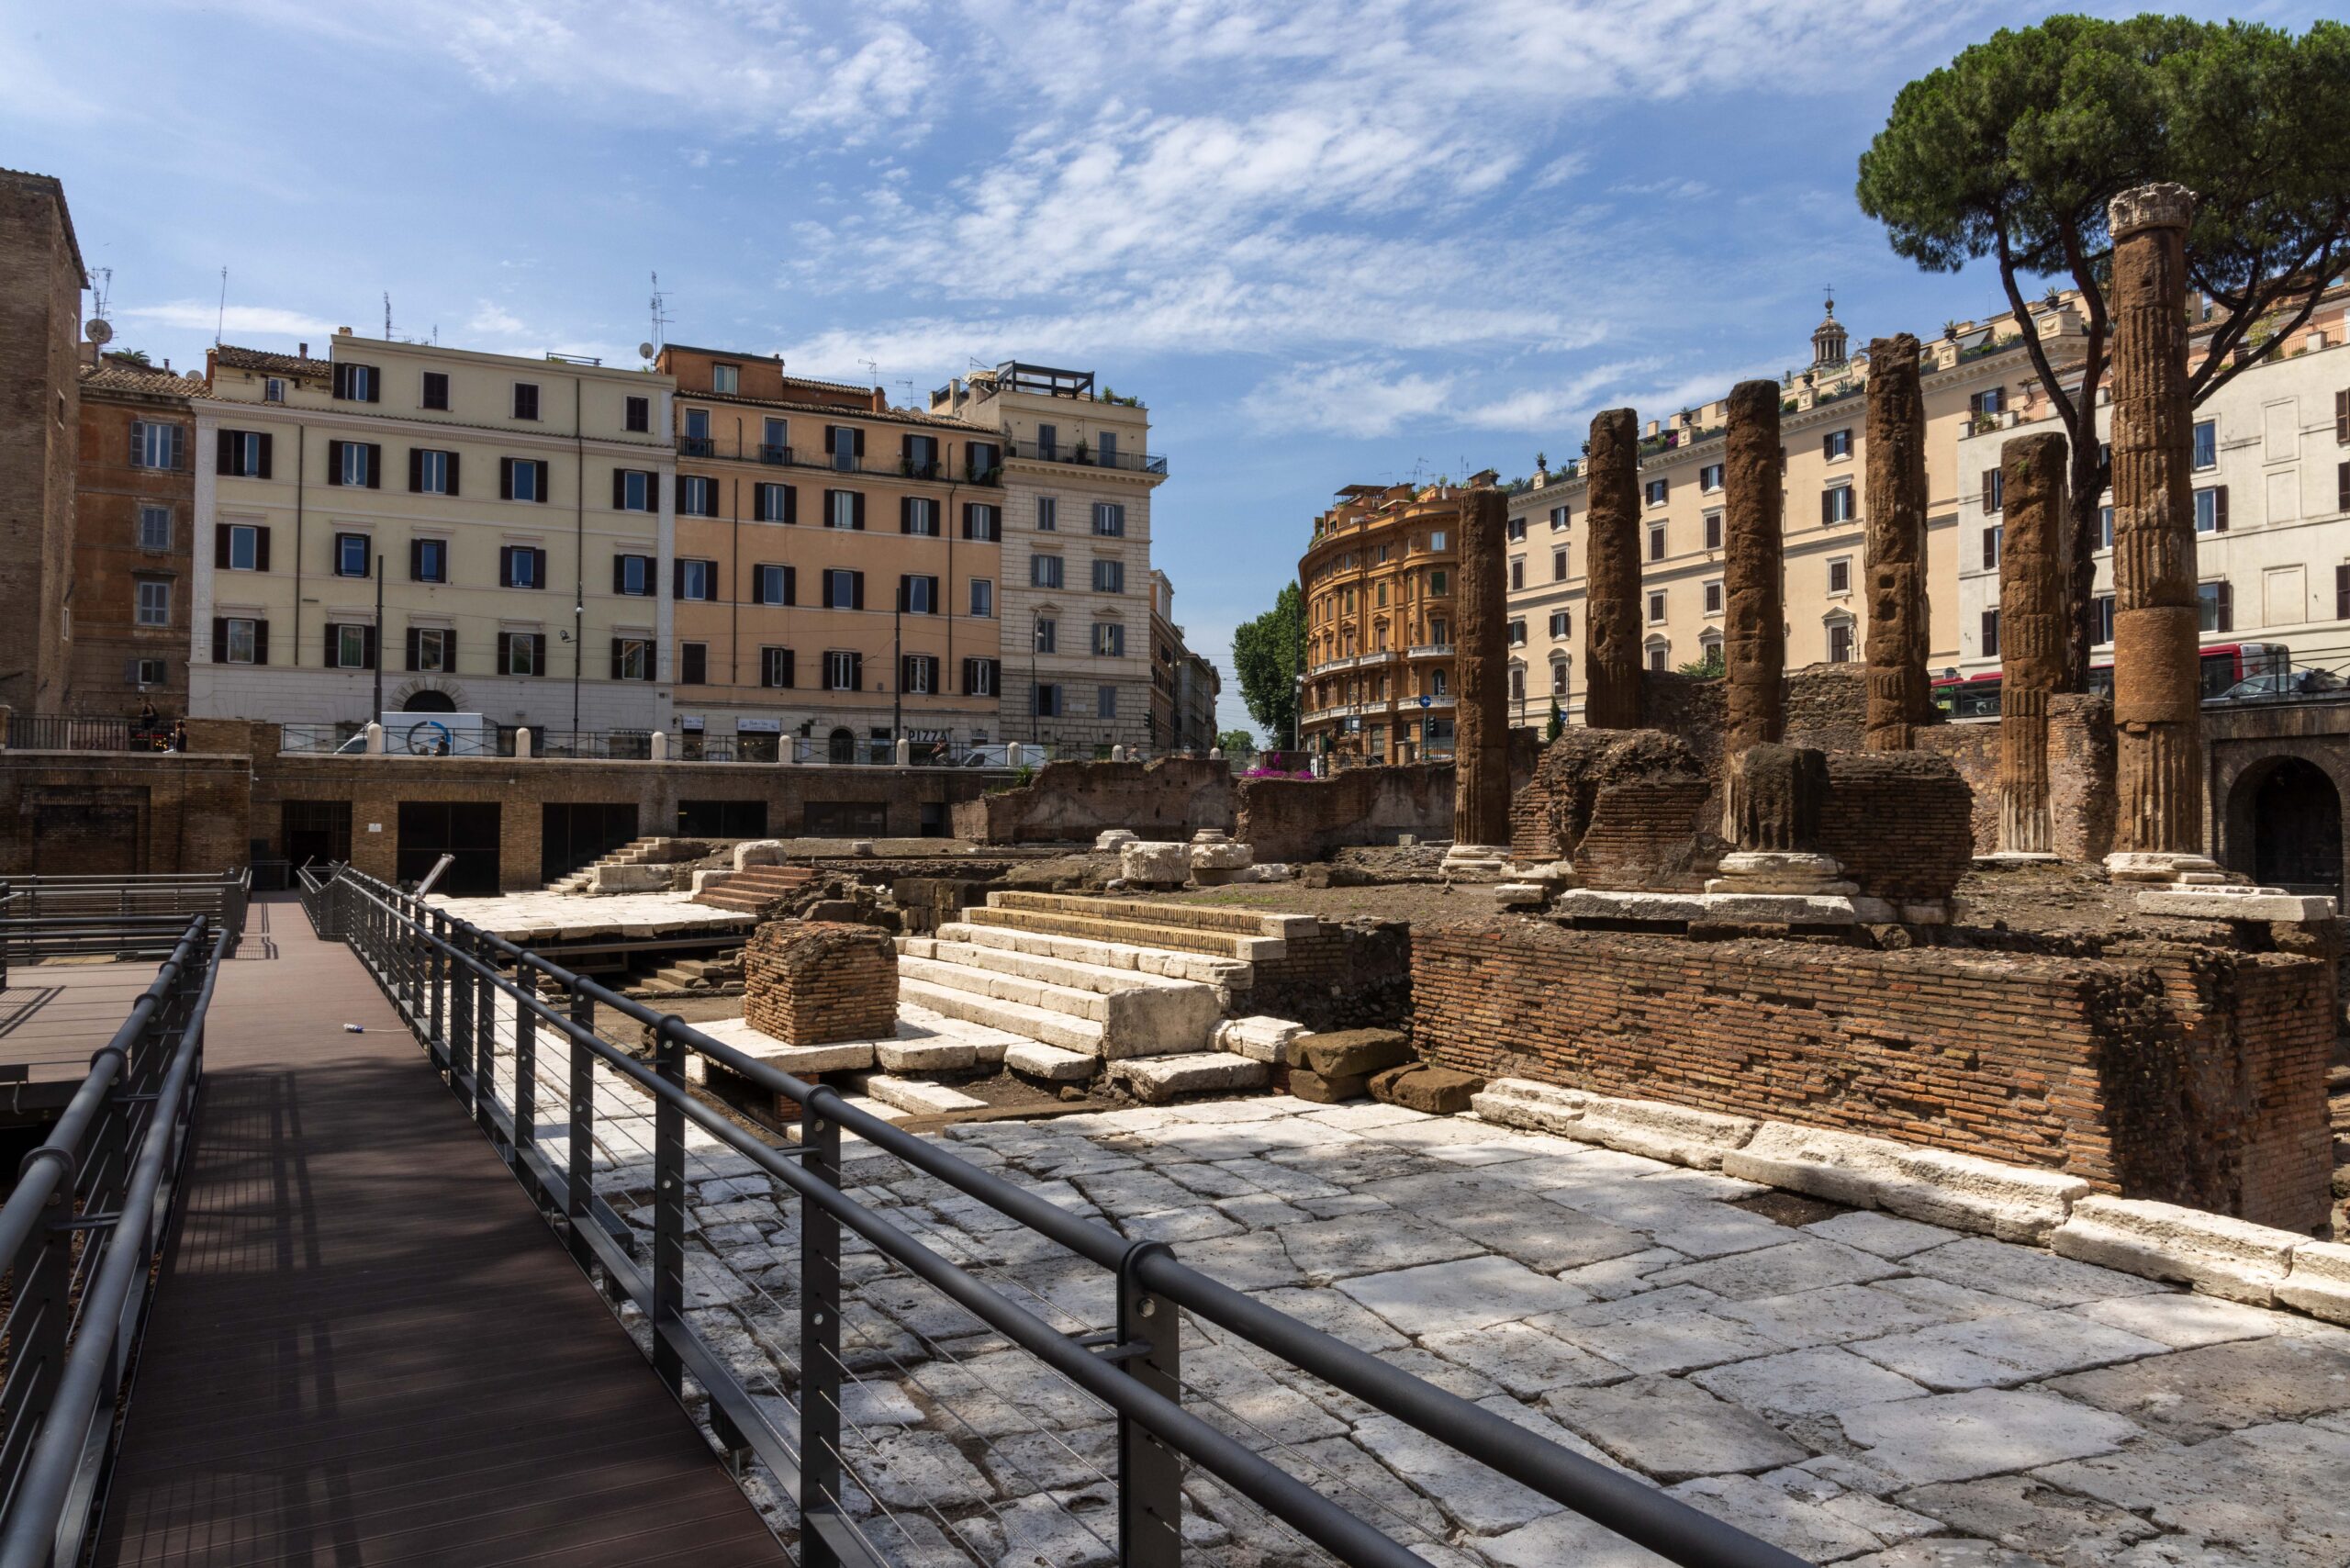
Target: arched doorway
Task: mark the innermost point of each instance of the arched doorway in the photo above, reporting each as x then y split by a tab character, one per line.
2297	829
840	747
428	702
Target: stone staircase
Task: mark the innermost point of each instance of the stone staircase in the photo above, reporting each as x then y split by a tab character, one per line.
754	888
718	975
636	852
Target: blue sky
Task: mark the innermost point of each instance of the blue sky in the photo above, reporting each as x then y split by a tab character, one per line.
1327	243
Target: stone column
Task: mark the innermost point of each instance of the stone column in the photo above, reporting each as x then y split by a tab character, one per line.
2157	711
1895	545
1611	610
2034	571
1754	636
1481	687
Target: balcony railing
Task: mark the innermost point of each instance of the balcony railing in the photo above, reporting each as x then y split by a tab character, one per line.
938	470
1431	651
1087	457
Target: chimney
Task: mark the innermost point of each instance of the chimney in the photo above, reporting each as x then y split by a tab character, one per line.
305	351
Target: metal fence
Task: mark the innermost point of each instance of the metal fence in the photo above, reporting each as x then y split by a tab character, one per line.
46	917
65	732
79	1237
598	1131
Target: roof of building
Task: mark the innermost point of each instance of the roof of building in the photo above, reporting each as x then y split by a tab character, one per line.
270	363
894	415
117	374
64	213
787	381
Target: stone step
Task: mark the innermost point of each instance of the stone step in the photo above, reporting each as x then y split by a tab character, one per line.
917	1098
1154	1081
1074	973
1156	912
1051	1063
1152	1018
1095	928
1081	1037
1208	969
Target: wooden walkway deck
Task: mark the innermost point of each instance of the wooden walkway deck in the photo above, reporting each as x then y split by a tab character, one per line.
367	1347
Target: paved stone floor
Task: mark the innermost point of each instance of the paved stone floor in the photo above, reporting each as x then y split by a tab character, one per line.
1859	1389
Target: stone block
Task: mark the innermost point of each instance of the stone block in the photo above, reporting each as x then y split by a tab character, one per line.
2320	1281
1115	839
1258	1037
1439	1090
1050	1063
603	880
1221	856
1327	1089
2217	1255
1154	1081
1661	1131
808	982
1524	1103
1352	1052
1520	895
2234	903
926	1055
920	1098
758	852
1155	864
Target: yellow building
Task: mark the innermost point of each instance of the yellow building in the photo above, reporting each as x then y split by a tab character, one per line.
512	516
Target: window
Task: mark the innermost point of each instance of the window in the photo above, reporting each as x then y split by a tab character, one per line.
154	528
154	606
917	674
521	479
1713	530
156	445
1560	623
1110	576
1109	640
632	658
773	503
1709	477
772	585
1047	514
982	521
428	560
1516	573
357	384
272	389
1835	443
983	461
1839	643
1991	633
1047	700
776	668
1109	519
1517	683
693	661
1836	504
1990	400
1049	634
1438	585
1558	678
1045	571
359	464
2342	593
526	400
1714	598
242	454
920	457
1995	489
1993	538
243	547
633	576
347	647
1656	607
1517	531
1656	542
982	677
238	641
521	566
1558	519
1439	539
843	589
844	509
1517	633
2104	527
694	579
2215	607
918	515
637	415
2207	443
521	652
982	598
432	473
843	671
726	378
696	496
2211	510
1048	440
845	445
634	489
353	556
435	394
1839	576
1657	491
1658	652
775	441
2102	608
1105	701
918	594
1105	447
697	442
432	648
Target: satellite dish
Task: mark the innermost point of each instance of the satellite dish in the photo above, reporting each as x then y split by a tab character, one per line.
644	351
98	331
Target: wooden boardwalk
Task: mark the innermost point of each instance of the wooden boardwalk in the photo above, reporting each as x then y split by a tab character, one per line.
368	1349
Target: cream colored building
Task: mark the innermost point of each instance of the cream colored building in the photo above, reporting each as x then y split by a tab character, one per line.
1074	600
519	512
1974	372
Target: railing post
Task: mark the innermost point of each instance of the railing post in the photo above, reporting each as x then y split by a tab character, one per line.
436	1043
526	1065
669	1206
461	1014
579	1177
820	1339
1150	1474
486	1039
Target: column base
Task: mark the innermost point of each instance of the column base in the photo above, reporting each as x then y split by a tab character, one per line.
1780	871
2165	866
1475	863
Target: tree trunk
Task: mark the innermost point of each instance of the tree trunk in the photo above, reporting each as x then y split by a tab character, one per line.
2085	499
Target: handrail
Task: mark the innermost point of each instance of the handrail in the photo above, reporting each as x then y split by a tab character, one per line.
52	1498
401	940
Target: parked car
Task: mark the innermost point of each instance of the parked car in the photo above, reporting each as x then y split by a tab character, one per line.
2275	683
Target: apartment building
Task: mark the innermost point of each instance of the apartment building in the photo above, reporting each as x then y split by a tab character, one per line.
134	523
1183	684
2272	511
1975	371
1073	607
41	330
838	566
1378	580
514	517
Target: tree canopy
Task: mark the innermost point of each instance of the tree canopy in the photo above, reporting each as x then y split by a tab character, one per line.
1268	654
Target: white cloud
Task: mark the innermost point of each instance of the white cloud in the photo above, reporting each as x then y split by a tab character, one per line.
1359	398
491	319
235	323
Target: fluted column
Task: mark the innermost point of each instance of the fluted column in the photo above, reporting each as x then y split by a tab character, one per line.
1754	637
1895	545
1611	610
1480	664
2033	573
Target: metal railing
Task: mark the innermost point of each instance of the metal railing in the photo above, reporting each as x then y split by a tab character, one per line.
46	917
322	906
79	1237
66	731
535	1073
1084	457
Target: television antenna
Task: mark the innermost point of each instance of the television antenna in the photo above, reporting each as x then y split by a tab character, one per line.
220	322
388	315
875	366
660	318
101	287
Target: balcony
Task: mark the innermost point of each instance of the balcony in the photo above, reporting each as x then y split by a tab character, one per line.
1084	457
1431	651
935	471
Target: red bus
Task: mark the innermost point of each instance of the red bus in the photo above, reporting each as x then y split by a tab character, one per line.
2224	664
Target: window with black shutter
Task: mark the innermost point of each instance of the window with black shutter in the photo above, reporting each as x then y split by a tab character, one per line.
696	659
2341	488
1991	633
526	400
776	668
436	390
2342	593
640	414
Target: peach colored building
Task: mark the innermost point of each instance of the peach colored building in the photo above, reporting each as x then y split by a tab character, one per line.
1378	580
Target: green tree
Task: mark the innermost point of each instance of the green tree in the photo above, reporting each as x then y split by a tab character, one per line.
1238	745
1268	654
1558	724
1706	667
2013	151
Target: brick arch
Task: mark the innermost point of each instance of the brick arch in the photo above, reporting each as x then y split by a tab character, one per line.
2240	771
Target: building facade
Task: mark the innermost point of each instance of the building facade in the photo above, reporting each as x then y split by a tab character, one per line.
1378	580
838	566
513	516
41	330
2272	511
134	521
1073	602
1183	685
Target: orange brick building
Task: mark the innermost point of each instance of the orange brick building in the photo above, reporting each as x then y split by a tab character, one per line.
1378	580
134	497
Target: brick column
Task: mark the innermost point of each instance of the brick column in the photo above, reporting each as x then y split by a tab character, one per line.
1611	610
1481	679
1895	545
2034	570
2157	713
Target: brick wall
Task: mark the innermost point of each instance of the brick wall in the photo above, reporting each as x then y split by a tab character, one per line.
1070	803
76	812
809	981
2182	1074
1901	823
1299	819
2080	774
40	317
1352	974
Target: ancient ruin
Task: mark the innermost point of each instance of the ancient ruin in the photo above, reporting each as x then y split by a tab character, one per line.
2034	567
1894	545
1611	615
1754	640
1481	706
